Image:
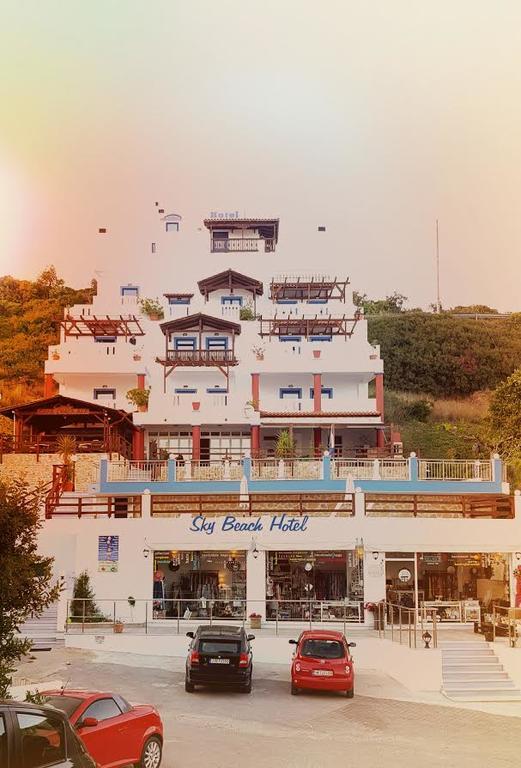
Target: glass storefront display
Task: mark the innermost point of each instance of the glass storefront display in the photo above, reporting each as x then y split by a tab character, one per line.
199	584
322	585
214	445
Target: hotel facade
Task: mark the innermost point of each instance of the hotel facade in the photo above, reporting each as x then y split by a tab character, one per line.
252	470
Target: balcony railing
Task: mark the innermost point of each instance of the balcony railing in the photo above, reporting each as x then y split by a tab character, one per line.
235	244
201	356
137	471
369	469
286	469
209	470
456	469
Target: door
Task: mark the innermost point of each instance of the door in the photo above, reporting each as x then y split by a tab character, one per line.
205	450
41	740
105	741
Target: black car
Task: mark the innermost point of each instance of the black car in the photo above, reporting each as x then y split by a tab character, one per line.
34	736
219	655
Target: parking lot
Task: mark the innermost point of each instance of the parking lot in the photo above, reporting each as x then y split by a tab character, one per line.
271	728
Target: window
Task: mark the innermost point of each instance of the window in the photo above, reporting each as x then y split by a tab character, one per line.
104	392
179	300
42	740
288	392
323	649
320	338
153	247
3	742
317	301
287	301
290	338
232	300
217	342
184	342
219	646
217	390
130	290
67	704
172	226
321	229
326	392
103	709
185	391
105	339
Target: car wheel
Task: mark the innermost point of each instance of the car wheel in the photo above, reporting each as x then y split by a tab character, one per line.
152	753
294	689
350	693
247	688
189	687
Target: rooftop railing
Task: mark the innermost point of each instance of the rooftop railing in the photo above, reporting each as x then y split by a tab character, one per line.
286	469
371	469
455	469
137	471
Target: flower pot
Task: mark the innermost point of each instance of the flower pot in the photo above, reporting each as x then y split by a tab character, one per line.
316	353
255	622
118	627
154	316
55	356
196	406
259	357
142	408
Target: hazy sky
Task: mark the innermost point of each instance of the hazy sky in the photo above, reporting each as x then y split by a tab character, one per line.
373	118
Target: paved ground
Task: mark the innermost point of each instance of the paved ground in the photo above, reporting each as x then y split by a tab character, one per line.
270	728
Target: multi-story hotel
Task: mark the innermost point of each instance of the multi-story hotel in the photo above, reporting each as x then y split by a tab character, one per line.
231	451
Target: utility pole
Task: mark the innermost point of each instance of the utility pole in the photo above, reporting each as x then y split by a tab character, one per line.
438	301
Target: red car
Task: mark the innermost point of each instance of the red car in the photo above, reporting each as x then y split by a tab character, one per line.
115	733
323	661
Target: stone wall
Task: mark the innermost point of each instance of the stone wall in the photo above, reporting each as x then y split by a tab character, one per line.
25	465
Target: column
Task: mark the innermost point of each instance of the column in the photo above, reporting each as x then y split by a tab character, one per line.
317	440
380	438
50	387
138	445
196	442
256	583
255	440
255	390
379	387
317	392
140	381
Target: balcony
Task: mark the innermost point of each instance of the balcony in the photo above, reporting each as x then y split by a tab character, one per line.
235	244
201	357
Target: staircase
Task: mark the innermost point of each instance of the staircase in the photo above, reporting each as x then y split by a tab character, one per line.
471	671
43	630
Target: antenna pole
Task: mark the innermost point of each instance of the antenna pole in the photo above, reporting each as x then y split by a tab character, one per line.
438	302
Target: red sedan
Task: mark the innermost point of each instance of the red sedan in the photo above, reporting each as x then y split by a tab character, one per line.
115	733
323	661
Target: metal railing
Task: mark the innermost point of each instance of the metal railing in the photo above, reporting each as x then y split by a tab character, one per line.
371	469
253	505
157	615
454	469
137	471
286	469
230	244
209	470
406	625
438	505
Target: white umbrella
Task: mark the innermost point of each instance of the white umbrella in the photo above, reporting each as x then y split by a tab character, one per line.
244	496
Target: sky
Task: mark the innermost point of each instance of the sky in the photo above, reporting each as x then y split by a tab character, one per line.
372	118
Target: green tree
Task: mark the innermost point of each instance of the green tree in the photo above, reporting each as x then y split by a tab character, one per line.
505	417
285	445
26	583
84	603
392	304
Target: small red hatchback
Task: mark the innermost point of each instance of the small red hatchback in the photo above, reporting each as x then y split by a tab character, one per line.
115	732
323	662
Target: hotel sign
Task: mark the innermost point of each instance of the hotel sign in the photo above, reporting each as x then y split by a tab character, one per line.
231	524
224	215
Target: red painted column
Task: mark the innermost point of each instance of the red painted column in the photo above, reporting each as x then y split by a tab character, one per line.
379	386
255	390
380	438
317	440
255	440
140	381
317	392
196	442
50	387
138	445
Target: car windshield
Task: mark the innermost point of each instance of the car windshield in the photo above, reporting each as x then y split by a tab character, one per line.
218	646
67	704
322	649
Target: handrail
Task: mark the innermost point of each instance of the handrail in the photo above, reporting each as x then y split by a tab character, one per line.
386	613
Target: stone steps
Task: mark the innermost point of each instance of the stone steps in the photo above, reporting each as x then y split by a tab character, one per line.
471	672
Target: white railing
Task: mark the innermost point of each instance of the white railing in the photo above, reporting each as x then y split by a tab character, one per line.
137	471
217	400
457	469
286	469
231	311
371	469
210	470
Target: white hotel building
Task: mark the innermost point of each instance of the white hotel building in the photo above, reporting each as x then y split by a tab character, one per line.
192	506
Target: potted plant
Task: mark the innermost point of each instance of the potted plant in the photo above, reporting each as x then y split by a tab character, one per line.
55	355
255	620
152	308
258	352
136	356
139	397
246	312
196	405
66	446
285	445
316	353
118	626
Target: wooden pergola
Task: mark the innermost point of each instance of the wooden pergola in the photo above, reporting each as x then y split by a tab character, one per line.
198	357
308	326
230	280
91	325
302	288
95	428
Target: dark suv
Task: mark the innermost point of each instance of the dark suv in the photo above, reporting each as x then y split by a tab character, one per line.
34	736
219	655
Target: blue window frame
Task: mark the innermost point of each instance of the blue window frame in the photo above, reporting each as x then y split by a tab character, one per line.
104	392
105	339
232	300
287	301
181	300
185	342
216	342
129	290
217	390
326	392
287	392
320	338
185	391
290	338
317	301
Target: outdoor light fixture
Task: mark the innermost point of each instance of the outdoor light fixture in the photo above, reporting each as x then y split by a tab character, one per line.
145	551
254	549
427	637
359	548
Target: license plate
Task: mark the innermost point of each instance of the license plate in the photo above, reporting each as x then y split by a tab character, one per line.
323	672
219	661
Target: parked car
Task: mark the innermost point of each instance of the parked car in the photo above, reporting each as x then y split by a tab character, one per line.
34	736
323	661
219	655
114	732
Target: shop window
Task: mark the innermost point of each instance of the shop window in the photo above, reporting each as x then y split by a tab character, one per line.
290	392
102	392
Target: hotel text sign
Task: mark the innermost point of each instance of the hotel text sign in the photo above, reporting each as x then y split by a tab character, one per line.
231	524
